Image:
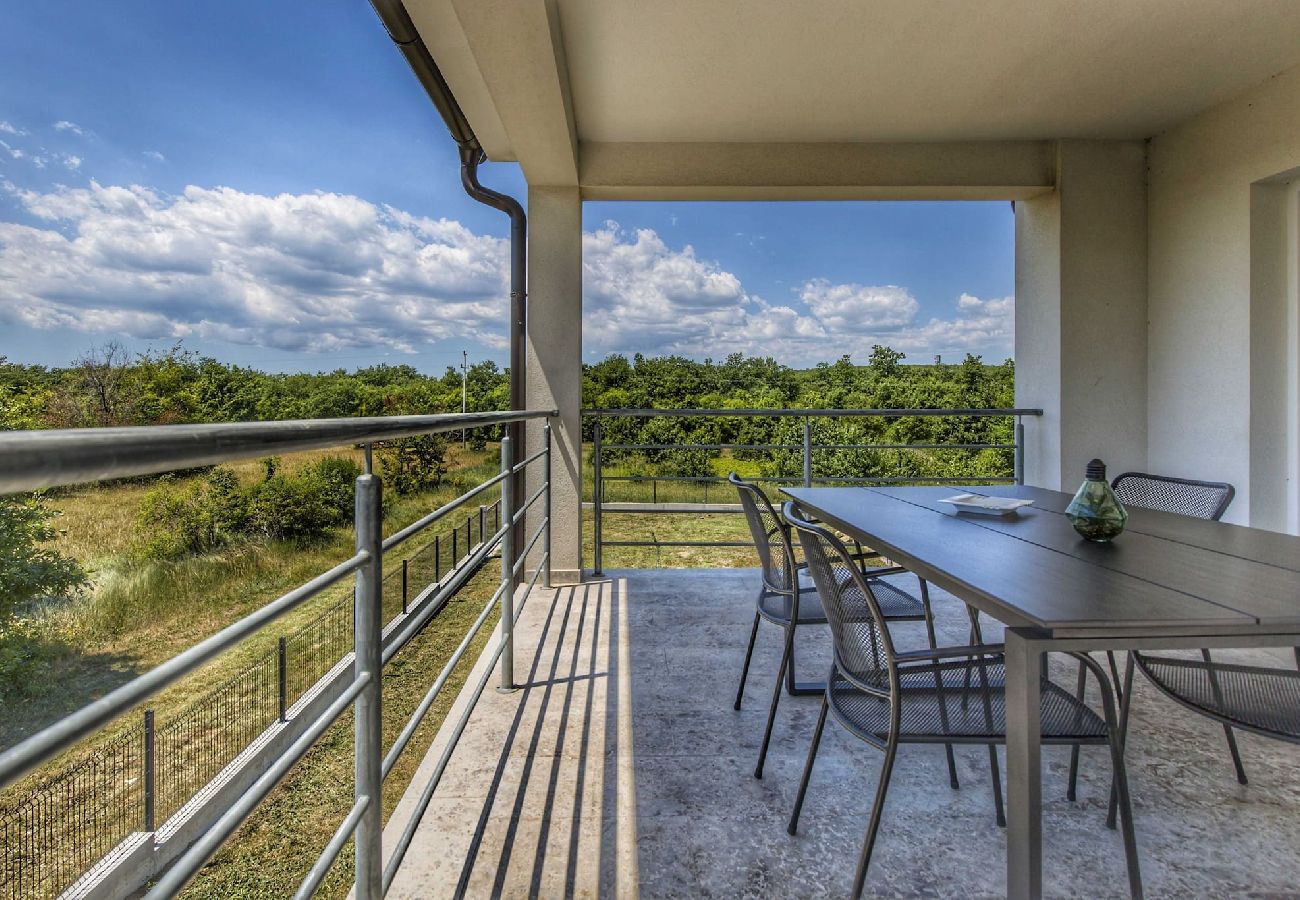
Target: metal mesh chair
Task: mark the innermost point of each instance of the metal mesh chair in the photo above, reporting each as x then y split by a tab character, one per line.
1184	496
950	695
783	601
1201	499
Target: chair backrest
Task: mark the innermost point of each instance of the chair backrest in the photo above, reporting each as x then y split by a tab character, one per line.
1202	499
771	537
864	652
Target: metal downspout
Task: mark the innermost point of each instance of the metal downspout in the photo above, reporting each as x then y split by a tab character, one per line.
470	158
397	21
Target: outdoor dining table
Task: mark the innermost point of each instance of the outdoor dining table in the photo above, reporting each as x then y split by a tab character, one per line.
1167	582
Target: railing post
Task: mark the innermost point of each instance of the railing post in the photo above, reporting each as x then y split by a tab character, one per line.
546	504
368	719
455	545
482	522
404	583
437	558
282	660
596	538
507	569
807	451
150	773
1020	451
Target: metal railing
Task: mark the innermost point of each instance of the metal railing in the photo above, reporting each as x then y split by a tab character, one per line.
33	460
690	493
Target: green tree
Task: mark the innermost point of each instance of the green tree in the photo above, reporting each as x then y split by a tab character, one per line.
29	569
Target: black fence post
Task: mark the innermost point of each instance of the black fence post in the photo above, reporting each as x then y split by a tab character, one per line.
403	587
150	772
437	558
482	519
455	541
282	655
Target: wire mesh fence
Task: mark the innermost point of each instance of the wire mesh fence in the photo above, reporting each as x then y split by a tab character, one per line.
56	831
193	747
70	821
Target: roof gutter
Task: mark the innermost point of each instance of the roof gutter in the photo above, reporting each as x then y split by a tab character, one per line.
404	34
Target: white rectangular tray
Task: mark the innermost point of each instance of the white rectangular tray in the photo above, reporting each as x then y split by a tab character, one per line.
982	505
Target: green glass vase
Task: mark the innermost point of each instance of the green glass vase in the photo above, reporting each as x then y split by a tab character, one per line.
1095	512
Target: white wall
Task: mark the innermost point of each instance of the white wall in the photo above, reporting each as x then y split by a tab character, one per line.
1221	354
1081	282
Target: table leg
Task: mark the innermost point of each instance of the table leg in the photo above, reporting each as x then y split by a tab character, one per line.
1024	767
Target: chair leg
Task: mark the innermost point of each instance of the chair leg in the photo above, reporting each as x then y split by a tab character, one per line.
999	810
1227	729
1125	708
1120	779
1071	791
793	827
943	706
1114	674
744	670
776	699
873	826
789	669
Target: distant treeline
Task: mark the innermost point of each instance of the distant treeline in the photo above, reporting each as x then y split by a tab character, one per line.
109	386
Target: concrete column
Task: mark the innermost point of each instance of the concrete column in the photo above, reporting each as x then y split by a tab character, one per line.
1081	314
1274	487
555	365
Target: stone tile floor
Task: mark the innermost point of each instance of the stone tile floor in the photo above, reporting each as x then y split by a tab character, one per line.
621	768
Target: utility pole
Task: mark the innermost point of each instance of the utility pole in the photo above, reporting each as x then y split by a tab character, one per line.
464	391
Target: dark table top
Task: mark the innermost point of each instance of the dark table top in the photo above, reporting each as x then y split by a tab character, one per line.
1166	574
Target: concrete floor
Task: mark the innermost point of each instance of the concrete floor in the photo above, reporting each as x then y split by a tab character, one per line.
621	768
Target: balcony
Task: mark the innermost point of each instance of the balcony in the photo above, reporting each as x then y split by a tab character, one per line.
620	765
614	763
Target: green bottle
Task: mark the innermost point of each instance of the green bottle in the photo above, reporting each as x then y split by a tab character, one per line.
1095	512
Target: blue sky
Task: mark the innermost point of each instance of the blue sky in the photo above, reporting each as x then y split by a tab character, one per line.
267	183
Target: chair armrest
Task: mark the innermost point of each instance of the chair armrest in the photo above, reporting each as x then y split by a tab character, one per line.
951	652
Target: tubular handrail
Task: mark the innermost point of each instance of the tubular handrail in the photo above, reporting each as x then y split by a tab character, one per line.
188	865
27	754
808	447
820	413
33	460
424	522
67	462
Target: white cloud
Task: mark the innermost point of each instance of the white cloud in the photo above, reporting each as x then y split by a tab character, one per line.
851	307
322	271
635	288
70	161
8	128
73	127
155	156
301	272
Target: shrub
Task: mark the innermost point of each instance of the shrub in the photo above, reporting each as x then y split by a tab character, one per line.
335	478
26	658
28	570
197	518
206	515
289	508
686	463
414	464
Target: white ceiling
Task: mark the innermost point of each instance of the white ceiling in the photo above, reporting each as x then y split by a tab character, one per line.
911	70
